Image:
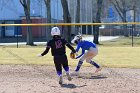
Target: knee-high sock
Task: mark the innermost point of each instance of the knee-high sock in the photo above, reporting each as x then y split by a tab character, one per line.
59	73
66	68
94	64
79	65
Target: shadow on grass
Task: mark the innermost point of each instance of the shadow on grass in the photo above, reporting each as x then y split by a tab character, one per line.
71	86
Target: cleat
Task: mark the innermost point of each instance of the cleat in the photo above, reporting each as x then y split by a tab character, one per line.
98	69
60	80
69	77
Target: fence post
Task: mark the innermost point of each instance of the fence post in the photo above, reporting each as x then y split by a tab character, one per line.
17	37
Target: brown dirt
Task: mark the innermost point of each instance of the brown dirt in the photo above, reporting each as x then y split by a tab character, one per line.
43	79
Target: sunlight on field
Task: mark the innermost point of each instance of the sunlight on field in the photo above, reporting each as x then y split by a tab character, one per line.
122	41
119	56
108	57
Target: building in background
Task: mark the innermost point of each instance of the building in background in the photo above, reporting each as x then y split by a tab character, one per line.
12	12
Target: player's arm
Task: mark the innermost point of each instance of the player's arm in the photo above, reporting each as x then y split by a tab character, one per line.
70	47
46	51
83	51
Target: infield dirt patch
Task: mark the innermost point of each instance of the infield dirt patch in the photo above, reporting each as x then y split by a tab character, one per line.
43	79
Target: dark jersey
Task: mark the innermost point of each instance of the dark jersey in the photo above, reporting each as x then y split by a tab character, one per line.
57	47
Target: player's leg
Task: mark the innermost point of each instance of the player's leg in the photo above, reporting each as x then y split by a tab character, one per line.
58	70
91	54
64	61
89	60
80	64
98	67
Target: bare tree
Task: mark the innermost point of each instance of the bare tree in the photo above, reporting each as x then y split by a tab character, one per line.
122	6
77	28
48	6
93	16
26	6
67	19
98	20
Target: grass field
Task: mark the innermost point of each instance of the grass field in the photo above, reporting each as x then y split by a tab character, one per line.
122	41
107	57
37	75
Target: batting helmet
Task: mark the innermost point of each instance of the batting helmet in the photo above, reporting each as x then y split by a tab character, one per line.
55	31
76	39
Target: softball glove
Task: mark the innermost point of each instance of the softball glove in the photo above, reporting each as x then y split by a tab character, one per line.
72	55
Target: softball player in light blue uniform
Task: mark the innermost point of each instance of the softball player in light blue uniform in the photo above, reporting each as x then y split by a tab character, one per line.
91	51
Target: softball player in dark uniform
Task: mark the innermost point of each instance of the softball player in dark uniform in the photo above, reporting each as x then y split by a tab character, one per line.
58	50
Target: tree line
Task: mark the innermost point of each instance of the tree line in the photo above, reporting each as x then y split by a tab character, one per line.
121	6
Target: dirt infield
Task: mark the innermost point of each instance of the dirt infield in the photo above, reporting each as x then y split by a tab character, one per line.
43	79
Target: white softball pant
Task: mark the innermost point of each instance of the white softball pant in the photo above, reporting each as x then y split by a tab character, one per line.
92	52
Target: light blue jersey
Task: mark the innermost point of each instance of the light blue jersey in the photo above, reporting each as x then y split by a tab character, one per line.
84	45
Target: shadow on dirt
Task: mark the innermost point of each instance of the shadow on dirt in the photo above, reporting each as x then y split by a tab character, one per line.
71	86
93	77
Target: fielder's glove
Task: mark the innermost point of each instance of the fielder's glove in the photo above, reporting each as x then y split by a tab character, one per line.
72	55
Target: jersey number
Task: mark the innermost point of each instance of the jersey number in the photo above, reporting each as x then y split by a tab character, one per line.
58	44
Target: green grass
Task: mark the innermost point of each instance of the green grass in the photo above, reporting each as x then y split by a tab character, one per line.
119	56
108	56
122	41
114	53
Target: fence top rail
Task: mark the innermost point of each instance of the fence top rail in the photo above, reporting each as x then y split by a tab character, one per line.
72	24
